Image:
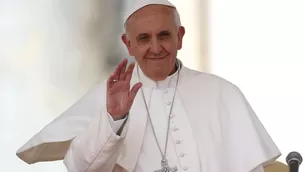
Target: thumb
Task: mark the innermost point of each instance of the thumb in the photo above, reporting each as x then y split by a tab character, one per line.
134	90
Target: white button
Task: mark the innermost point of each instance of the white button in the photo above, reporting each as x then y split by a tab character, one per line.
182	155
172	116
165	91
175	129
178	142
169	103
185	168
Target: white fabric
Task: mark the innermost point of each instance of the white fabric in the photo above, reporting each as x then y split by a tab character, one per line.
115	125
52	142
99	147
228	135
182	152
134	5
258	169
182	149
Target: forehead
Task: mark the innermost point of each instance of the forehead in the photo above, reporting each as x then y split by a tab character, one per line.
152	17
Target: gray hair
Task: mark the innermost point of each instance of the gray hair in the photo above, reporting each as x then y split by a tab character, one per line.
176	18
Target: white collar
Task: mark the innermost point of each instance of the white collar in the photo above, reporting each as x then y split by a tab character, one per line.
169	82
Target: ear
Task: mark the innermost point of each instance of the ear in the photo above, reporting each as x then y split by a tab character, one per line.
127	44
181	33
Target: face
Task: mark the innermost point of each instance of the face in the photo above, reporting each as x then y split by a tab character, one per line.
154	38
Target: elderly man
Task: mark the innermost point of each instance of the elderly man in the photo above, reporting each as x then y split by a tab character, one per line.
158	115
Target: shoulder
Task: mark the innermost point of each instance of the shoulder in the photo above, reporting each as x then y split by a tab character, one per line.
241	127
209	81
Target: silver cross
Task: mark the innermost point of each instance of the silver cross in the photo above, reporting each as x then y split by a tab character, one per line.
166	167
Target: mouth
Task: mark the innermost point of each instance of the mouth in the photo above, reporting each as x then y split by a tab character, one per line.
157	58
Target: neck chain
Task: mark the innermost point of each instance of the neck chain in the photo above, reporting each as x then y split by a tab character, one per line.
164	162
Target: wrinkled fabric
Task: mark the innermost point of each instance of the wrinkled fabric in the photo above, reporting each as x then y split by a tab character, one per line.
227	134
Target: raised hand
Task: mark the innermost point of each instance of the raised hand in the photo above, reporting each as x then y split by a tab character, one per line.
119	95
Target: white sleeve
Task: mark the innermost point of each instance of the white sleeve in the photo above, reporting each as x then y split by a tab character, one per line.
115	125
95	149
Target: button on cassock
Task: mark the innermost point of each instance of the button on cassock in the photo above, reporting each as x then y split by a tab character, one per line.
175	129
172	116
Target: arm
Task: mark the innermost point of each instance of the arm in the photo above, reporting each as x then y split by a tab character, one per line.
96	149
118	125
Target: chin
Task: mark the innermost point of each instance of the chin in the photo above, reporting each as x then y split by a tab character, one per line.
158	75
158	78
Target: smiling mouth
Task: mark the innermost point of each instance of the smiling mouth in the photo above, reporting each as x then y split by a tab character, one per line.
158	58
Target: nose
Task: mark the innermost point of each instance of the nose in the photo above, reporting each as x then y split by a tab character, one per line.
155	46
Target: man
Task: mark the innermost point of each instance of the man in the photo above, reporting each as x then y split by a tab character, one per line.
158	115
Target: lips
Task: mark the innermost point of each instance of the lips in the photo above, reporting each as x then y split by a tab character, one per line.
156	58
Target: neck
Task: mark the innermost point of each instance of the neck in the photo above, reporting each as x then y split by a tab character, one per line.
167	81
174	70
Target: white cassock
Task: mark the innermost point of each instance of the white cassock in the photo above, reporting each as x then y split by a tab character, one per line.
212	129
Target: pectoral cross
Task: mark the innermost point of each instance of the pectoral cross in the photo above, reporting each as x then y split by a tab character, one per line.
166	167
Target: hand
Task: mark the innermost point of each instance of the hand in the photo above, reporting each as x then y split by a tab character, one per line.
119	96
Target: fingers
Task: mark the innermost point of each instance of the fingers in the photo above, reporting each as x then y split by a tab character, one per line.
115	76
129	71
122	70
112	78
119	68
134	90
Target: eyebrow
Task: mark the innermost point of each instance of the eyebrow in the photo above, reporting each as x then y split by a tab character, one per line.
163	32
141	35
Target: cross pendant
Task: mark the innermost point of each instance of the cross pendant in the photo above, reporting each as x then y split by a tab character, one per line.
165	167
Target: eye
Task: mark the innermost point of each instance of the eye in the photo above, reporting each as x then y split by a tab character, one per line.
164	34
143	37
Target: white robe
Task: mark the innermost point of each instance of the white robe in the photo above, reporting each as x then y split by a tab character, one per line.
182	149
216	128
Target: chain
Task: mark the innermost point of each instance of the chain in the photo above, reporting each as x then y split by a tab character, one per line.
169	117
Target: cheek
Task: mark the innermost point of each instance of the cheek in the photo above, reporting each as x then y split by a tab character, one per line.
139	51
170	47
